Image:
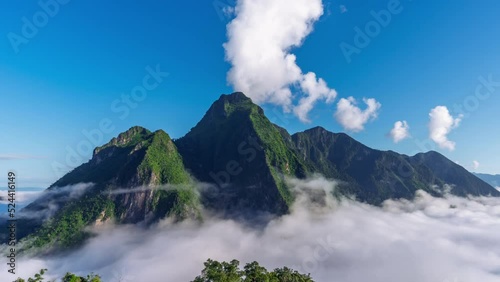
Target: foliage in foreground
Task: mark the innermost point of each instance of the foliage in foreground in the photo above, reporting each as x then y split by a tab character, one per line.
69	277
252	272
214	272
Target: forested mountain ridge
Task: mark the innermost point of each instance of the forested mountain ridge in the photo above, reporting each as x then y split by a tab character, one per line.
140	177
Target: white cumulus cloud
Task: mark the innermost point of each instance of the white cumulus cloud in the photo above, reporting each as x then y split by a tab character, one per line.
353	118
440	125
400	131
260	40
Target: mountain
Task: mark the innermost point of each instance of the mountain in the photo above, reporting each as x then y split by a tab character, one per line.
137	177
238	149
369	175
242	161
493	180
374	176
462	182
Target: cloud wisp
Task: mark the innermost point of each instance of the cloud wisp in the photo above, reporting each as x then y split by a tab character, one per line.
11	157
259	47
140	189
427	239
46	203
475	164
22	197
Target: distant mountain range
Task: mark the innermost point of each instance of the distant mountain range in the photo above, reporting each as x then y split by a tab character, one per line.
493	180
243	160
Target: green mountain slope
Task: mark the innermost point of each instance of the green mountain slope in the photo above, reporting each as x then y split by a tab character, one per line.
137	159
238	149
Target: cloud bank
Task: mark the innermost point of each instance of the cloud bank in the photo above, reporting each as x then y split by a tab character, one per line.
400	131
353	118
260	40
429	239
440	125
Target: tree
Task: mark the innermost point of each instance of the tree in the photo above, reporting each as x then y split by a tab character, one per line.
220	272
230	272
38	277
69	277
288	275
254	272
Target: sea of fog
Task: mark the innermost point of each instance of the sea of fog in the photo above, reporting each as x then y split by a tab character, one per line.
429	239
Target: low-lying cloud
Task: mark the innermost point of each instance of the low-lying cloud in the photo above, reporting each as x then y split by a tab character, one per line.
48	202
139	189
21	198
428	239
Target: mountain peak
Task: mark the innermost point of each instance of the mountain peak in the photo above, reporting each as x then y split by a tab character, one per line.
227	105
318	129
131	133
235	133
430	154
237	101
126	138
235	97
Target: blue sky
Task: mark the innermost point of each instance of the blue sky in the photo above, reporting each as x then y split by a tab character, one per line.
66	78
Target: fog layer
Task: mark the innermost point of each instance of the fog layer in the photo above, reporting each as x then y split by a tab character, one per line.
428	239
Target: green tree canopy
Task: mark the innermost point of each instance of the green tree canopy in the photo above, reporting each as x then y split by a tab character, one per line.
69	277
215	271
